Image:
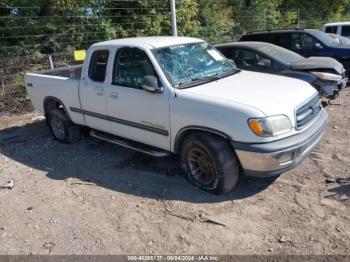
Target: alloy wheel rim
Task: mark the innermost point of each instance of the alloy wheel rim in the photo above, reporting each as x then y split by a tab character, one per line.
201	166
57	128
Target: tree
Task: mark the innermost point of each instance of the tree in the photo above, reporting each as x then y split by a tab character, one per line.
255	15
317	12
216	19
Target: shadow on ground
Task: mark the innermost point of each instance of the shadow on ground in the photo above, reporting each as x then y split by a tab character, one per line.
341	191
111	166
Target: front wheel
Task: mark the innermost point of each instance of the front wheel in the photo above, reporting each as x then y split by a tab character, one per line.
62	129
210	163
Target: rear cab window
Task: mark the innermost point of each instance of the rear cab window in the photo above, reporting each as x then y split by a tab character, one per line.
98	65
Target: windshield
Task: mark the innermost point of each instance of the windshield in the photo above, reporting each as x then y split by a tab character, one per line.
324	38
340	39
281	54
188	64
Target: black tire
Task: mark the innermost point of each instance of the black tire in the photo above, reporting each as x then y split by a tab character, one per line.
68	132
216	157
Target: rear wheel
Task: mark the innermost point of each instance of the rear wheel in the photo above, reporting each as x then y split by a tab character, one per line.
210	163
62	129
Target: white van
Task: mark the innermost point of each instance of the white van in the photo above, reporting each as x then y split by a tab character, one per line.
340	28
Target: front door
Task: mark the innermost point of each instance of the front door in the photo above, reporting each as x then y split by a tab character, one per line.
137	114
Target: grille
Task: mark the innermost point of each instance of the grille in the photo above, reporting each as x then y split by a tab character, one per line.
307	112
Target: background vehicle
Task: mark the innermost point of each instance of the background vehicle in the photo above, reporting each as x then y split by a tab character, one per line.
324	73
339	28
162	95
306	42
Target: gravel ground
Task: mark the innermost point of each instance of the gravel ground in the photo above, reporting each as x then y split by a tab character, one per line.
98	198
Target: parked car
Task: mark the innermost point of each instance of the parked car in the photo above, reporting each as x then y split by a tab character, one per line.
323	73
340	39
179	95
306	42
339	28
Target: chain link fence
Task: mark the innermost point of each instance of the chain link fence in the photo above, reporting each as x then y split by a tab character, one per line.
28	34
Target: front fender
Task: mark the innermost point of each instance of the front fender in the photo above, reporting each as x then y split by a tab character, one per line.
190	112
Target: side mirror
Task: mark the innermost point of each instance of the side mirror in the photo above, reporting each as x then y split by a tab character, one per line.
231	61
318	46
150	84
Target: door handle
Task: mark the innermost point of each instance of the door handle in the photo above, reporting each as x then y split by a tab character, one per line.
99	90
114	95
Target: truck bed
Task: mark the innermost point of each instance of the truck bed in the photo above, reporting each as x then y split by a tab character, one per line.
61	83
69	71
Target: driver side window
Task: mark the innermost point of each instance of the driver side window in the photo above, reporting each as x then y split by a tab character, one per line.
247	59
131	65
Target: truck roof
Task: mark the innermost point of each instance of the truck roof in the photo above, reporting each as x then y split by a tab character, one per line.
337	23
150	42
287	30
251	44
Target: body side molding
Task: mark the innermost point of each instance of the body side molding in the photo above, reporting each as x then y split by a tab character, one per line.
121	121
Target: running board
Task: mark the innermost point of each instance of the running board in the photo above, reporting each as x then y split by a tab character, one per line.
149	150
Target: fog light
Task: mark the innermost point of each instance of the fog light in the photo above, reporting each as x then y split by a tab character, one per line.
286	157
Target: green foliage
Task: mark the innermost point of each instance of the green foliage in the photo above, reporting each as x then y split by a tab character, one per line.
257	15
216	19
317	12
29	30
187	17
51	26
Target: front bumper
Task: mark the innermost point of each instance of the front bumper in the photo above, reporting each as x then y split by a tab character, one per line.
274	158
331	89
343	83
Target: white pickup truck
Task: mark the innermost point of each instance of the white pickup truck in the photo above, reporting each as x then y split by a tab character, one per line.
163	95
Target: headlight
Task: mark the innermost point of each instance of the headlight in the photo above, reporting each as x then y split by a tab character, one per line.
327	76
270	126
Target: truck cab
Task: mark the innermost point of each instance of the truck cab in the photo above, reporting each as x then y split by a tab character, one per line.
179	95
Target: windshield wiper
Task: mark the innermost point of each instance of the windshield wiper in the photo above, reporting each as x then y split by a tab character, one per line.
204	79
197	81
228	73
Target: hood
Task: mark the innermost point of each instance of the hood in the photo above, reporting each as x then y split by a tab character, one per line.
318	63
342	46
270	94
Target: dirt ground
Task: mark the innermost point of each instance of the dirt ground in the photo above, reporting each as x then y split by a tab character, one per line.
98	198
